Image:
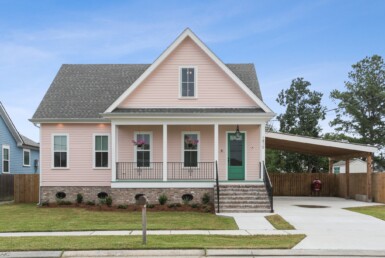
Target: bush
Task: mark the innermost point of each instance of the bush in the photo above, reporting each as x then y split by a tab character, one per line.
45	203
174	205
195	205
150	206
79	198
162	199
91	203
206	198
60	202
109	201
122	206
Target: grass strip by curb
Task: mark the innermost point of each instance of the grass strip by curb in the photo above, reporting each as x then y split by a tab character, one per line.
153	242
377	211
279	223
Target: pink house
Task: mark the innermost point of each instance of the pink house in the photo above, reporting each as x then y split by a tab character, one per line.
181	125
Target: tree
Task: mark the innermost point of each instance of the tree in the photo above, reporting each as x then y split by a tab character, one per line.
302	115
361	107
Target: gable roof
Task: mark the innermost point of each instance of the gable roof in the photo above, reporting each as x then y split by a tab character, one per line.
187	33
20	139
84	91
343	162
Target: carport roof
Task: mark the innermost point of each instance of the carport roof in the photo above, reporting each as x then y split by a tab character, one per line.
316	146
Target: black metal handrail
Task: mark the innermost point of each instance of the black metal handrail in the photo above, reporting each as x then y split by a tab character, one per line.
268	185
139	170
183	171
217	181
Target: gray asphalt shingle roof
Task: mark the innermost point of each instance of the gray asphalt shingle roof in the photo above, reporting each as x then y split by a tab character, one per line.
83	91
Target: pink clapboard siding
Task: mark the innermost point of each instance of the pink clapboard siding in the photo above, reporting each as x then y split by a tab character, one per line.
252	149
214	87
80	156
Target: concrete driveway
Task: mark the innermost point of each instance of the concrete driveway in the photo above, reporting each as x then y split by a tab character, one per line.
332	227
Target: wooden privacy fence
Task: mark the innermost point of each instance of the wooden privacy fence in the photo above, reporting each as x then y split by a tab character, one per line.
26	188
6	187
298	184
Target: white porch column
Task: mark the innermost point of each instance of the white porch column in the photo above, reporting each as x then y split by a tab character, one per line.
262	148
164	152
113	152
216	143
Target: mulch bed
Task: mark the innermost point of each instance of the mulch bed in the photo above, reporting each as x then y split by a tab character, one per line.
133	207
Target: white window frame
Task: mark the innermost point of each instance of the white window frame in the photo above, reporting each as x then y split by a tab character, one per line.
198	148
53	151
195	82
29	154
6	147
136	148
94	150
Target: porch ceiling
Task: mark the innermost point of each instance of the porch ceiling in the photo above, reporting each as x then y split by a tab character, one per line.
315	146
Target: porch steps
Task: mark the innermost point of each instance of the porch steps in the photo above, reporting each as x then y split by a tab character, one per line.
242	198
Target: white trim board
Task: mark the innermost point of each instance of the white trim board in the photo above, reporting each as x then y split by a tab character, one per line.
188	33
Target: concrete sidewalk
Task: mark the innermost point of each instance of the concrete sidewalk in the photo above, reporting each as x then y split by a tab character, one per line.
196	253
154	232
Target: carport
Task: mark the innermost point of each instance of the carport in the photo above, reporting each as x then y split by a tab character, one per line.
334	150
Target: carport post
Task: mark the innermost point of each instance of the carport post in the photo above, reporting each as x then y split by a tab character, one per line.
369	171
347	174
331	166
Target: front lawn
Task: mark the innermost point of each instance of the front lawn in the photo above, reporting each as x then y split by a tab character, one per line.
153	242
29	217
375	211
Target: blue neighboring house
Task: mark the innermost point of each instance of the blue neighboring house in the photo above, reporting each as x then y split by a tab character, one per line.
18	154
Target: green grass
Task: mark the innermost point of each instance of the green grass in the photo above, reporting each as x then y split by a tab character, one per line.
279	223
375	211
153	242
29	217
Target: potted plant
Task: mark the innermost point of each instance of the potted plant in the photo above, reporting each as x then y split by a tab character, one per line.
139	143
191	142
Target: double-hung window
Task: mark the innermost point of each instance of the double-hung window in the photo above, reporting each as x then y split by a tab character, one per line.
26	158
101	151
60	151
5	159
188	82
190	149
143	149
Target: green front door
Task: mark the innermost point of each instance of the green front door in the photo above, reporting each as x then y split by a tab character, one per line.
236	156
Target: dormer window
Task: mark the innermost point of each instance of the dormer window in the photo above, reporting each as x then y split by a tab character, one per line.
187	82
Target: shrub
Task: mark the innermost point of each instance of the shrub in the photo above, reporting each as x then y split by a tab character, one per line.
109	201
206	198
150	206
91	203
79	198
102	201
45	203
122	206
195	205
60	202
162	199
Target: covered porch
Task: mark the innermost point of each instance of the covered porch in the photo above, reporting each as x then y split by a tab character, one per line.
190	151
197	146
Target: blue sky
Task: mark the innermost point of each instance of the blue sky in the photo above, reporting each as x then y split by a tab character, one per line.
317	40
